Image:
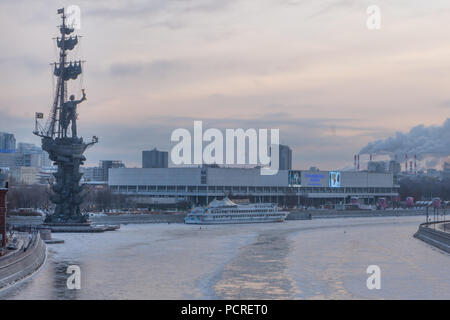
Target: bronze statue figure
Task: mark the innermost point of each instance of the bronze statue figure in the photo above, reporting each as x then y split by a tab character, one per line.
69	114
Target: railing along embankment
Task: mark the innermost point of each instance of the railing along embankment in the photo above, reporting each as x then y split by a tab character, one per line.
435	234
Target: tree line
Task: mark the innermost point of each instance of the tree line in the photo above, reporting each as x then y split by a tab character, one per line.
38	197
424	188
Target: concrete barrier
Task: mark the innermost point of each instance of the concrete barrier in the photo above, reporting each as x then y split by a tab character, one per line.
434	236
23	263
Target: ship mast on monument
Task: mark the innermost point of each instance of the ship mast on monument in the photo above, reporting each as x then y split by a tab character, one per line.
59	135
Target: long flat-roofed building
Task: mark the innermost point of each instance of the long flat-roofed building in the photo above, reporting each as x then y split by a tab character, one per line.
288	187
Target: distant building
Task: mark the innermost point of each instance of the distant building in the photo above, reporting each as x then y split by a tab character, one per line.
294	187
285	158
26	162
25	175
93	174
431	172
23	147
9	160
33	156
7	142
446	170
155	159
4	173
394	167
376	166
105	165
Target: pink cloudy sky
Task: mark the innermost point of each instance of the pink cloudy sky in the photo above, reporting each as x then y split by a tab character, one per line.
308	67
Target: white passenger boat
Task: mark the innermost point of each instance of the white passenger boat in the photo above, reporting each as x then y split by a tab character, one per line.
226	211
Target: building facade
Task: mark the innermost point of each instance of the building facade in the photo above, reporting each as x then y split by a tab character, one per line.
105	165
288	187
285	158
155	159
376	166
7	142
92	174
25	175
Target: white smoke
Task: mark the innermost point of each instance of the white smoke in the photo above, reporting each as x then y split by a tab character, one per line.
432	141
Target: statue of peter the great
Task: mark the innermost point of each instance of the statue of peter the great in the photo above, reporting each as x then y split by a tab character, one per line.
69	114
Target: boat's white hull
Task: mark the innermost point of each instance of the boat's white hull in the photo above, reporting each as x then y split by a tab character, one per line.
210	220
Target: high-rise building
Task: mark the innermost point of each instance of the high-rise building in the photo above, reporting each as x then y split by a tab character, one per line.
155	159
285	158
105	165
7	142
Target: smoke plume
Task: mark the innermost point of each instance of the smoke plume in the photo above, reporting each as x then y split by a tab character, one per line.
432	141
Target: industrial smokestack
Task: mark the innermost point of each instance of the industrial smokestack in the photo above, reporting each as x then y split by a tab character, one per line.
354	162
415	164
406	163
370	157
358	163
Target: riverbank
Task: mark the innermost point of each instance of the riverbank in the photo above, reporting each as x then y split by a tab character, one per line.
124	219
25	260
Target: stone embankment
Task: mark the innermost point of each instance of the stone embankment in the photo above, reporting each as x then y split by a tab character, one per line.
436	234
19	264
328	213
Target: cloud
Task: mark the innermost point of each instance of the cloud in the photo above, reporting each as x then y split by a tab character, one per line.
328	83
29	63
311	139
143	9
155	68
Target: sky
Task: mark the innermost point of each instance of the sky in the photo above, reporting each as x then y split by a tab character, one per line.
311	68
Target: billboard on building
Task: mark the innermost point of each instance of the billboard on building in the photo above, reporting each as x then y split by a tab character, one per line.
295	178
334	179
315	178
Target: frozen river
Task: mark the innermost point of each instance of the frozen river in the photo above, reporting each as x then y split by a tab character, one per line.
316	259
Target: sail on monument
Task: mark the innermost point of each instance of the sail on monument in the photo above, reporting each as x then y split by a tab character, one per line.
59	136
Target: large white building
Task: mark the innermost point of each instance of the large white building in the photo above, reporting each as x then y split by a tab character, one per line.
291	187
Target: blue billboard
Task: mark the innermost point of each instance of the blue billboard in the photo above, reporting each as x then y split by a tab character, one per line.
315	178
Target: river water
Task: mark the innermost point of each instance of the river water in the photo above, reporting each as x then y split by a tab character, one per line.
316	259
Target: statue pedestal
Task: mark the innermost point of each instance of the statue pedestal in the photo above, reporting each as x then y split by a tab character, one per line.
68	194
